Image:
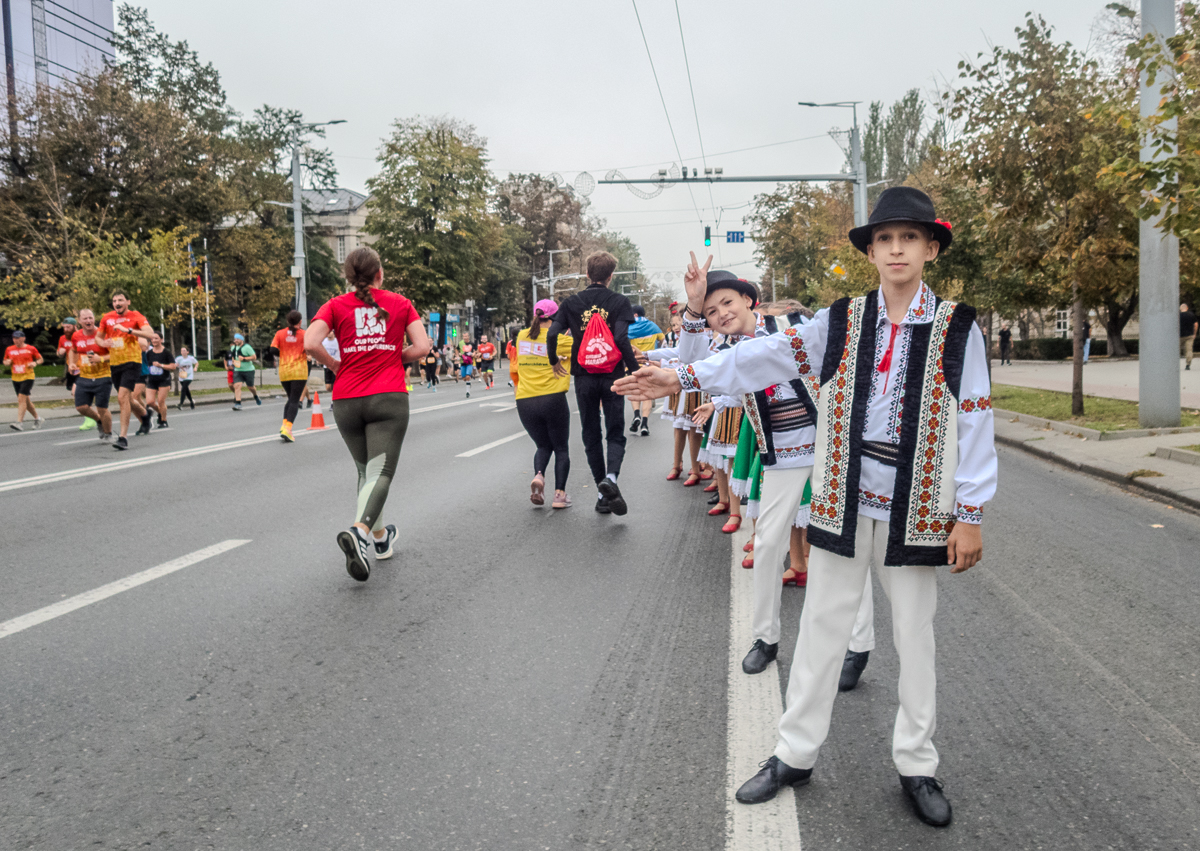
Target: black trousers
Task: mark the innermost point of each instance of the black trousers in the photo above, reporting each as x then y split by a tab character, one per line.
593	393
294	390
185	392
548	421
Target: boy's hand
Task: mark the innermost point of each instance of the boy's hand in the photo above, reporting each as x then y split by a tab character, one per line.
965	547
648	383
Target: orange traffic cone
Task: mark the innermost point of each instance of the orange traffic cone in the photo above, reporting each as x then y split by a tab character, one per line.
318	416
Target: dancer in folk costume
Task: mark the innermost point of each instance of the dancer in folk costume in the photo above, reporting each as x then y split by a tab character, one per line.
905	462
783	417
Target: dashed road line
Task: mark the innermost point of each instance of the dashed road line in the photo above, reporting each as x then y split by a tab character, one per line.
491	445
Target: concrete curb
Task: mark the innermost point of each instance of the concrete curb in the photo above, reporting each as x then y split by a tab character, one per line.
69	413
1175	453
1144	488
1091	433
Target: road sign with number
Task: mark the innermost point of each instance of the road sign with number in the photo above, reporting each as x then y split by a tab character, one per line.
735	236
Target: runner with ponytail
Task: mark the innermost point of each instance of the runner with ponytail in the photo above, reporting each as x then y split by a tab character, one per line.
288	350
370	396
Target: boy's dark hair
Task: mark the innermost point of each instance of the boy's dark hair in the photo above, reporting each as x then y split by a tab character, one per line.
600	267
639	310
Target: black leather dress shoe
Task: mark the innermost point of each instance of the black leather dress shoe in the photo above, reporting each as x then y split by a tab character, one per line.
928	801
714	499
772	777
761	654
602	506
852	668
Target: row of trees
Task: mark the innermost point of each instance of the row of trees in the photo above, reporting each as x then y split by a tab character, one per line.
1034	159
117	179
448	231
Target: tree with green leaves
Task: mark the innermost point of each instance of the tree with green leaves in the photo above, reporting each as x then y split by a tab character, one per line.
1029	147
429	209
896	145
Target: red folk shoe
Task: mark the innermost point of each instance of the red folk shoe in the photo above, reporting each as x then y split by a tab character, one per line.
674	474
748	562
691	481
735	523
711	488
719	508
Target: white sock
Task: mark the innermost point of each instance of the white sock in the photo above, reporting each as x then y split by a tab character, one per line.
612	477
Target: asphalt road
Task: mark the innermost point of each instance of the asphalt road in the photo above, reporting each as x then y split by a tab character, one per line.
519	678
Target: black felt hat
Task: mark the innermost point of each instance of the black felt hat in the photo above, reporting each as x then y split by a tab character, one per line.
902	204
719	279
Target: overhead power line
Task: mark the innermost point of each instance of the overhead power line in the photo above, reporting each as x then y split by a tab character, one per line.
696	114
666	111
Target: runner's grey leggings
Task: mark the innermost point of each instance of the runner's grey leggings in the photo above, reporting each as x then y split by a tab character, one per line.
373	428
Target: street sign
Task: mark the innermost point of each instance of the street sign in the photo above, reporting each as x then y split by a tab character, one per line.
735	236
435	317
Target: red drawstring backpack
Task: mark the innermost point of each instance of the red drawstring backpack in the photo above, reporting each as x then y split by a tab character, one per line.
598	351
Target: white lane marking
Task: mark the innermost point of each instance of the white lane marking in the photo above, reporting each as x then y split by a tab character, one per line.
755	704
491	445
50	478
504	408
62	607
447	405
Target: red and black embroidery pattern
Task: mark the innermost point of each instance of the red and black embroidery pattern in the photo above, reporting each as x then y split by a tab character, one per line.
978	403
927	524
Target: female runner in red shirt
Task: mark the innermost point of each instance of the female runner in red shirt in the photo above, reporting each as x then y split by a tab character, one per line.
370	396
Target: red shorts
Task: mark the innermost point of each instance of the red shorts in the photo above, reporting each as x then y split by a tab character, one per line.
229	375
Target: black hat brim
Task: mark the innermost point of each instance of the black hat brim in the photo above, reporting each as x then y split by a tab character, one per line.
737	284
860	237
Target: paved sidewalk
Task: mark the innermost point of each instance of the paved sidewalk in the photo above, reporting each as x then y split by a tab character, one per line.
1114	460
1113	379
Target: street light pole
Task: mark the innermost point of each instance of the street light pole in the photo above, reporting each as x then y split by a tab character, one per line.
298	234
1158	270
857	165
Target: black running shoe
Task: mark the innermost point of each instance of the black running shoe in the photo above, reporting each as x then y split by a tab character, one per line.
645	429
357	548
163	424
121	443
602	506
145	429
383	547
636	424
612	493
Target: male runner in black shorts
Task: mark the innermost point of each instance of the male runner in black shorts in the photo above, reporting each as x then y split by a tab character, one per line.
118	332
93	381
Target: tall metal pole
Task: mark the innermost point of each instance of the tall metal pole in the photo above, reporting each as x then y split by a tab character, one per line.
860	173
533	293
207	312
298	230
551	274
1158	271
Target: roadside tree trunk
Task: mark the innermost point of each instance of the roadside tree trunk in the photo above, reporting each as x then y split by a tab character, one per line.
1117	316
1080	317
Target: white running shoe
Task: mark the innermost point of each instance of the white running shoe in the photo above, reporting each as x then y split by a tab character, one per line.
383	546
356	545
38	422
16	426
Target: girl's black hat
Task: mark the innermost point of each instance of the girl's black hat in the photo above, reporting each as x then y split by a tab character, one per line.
902	204
719	279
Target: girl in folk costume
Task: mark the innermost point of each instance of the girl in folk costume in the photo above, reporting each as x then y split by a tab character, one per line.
783	416
678	410
905	461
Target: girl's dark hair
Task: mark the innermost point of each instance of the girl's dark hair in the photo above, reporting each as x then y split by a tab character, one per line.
293	318
535	327
362	265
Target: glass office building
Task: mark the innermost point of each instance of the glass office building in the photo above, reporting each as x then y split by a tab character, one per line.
48	41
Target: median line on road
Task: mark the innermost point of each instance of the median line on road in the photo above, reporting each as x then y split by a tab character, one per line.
454	405
491	445
755	704
62	607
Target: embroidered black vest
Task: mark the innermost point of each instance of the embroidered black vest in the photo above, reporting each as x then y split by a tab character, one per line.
920	523
758	405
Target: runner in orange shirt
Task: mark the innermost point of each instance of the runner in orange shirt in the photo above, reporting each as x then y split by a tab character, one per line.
93	381
118	332
288	348
485	355
23	359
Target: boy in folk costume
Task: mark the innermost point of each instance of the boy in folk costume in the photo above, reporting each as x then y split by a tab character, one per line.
905	461
783	416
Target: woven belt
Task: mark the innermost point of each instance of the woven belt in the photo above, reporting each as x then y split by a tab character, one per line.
789	415
887	454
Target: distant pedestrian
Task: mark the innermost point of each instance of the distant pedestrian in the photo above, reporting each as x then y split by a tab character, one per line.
431	370
1187	333
23	359
593	390
242	357
1005	345
644	336
186	364
69	326
1087	338
370	397
330	344
468	366
161	361
542	404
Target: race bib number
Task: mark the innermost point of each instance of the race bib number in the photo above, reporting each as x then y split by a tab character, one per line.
156	370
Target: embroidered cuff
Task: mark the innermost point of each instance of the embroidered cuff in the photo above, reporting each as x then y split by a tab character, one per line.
972	514
687	378
694	326
978	403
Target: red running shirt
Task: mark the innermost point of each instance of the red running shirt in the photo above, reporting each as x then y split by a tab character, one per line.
371	346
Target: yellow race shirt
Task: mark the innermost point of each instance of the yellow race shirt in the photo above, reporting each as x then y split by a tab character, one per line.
536	376
129	351
293	362
85	344
647	344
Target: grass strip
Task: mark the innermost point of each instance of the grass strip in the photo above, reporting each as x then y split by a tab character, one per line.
1100	413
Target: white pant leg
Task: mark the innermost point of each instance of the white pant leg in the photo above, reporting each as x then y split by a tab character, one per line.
863	637
782	492
913	594
831	604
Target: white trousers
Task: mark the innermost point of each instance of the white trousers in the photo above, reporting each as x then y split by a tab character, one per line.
835	588
782	492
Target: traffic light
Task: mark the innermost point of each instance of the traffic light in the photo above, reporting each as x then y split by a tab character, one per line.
707	235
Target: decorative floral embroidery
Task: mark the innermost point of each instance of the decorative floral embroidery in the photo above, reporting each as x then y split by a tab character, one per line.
926	524
810	380
829	505
694	326
900	364
969	513
687	378
978	403
874	500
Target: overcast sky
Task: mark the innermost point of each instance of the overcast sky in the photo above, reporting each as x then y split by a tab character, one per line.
567	86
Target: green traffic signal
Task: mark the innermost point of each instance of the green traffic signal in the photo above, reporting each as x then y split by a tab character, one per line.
707	235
